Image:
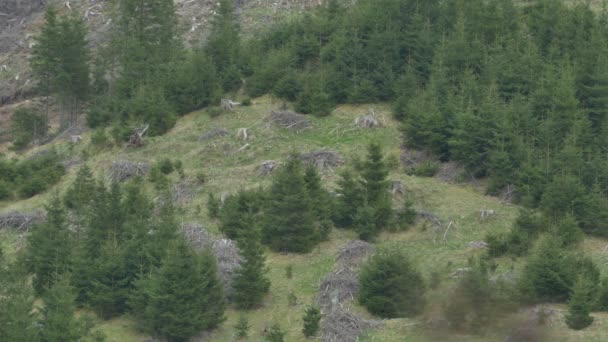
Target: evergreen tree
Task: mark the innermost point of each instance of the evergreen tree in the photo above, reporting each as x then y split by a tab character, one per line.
312	318
17	322
145	42
242	327
183	297
547	274
374	178
213	206
223	45
390	286
238	212
250	283
44	61
276	334
58	322
81	192
60	61
27	126
49	251
351	199
288	218
580	305
365	223
320	200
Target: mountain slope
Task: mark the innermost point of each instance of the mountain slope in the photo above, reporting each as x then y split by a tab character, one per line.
227	169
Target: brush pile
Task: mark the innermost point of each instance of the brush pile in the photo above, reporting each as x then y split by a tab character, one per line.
214	133
289	120
121	170
323	159
19	221
336	292
225	251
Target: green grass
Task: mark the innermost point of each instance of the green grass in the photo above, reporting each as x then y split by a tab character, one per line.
227	171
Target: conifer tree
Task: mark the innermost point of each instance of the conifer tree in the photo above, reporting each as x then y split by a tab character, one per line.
236	211
60	61
374	179
82	190
183	297
391	286
242	327
49	252
250	283
58	322
351	199
44	62
312	318
320	200
288	221
580	305
223	45
276	334
546	275
16	302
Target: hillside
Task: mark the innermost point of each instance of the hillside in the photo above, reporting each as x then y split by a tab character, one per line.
227	171
476	133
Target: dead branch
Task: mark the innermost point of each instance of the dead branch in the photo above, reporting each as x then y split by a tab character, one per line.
137	138
289	120
122	170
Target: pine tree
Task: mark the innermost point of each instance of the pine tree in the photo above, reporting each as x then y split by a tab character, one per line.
365	223
223	45
58	322
351	199
546	275
320	200
16	302
390	286
183	297
60	61
49	251
145	42
44	61
580	305
81	192
250	283
311	319
242	327
238	211
276	334
213	206
288	222
374	178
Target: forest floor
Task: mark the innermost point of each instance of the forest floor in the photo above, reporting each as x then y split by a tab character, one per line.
226	170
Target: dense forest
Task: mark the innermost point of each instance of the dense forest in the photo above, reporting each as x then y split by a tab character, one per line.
515	92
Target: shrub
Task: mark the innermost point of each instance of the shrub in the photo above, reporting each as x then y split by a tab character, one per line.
99	138
390	286
312	318
27	126
425	169
580	305
5	191
246	102
276	334
165	166
214	112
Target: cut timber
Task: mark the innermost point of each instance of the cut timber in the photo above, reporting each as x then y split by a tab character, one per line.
229	105
137	138
289	120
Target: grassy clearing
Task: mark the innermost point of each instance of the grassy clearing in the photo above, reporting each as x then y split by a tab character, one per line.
227	171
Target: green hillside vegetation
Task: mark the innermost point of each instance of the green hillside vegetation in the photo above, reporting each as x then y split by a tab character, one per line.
504	99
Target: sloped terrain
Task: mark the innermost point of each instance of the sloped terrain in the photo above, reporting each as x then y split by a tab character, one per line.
230	163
